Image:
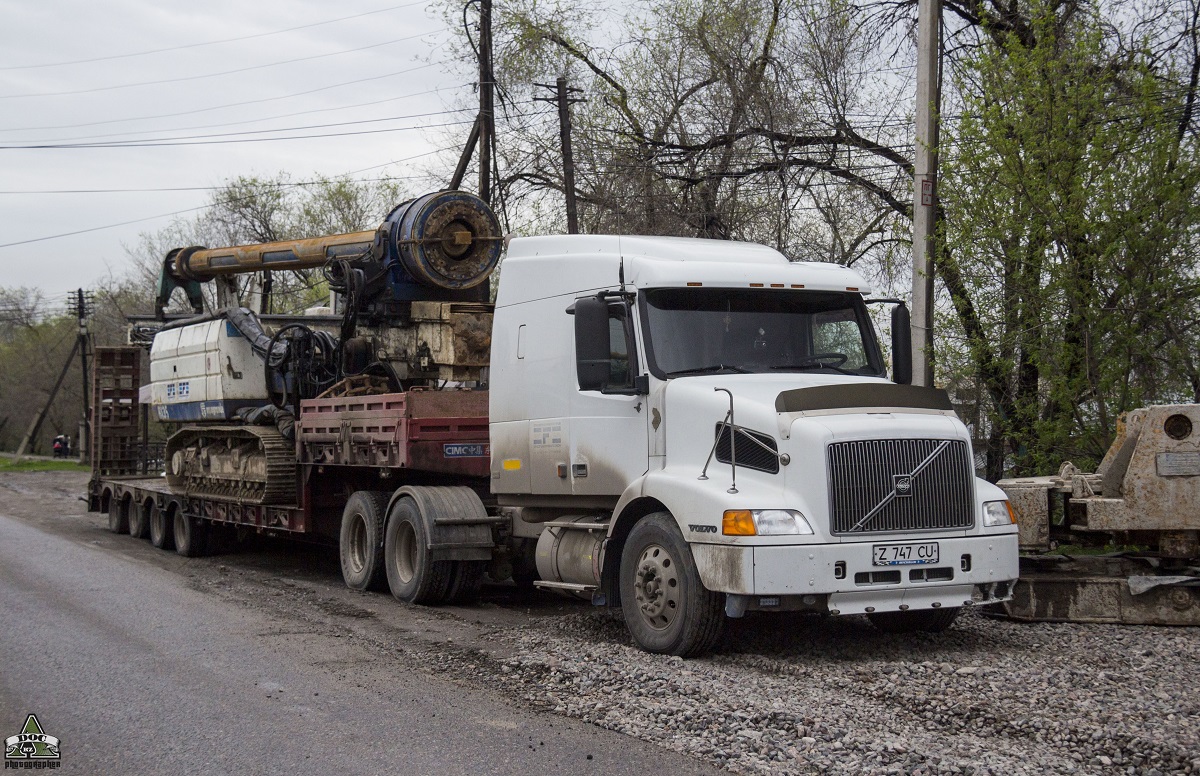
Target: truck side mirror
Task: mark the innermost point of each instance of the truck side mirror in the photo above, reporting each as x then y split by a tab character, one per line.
901	345
593	351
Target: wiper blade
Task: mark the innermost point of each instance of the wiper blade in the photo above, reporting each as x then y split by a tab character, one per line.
700	370
814	365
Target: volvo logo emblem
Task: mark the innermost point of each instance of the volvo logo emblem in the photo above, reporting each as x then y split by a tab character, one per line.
902	484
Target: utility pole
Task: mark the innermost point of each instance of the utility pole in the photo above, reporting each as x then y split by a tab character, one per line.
29	441
925	202
80	305
562	96
487	119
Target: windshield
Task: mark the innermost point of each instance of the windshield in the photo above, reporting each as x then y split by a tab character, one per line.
724	330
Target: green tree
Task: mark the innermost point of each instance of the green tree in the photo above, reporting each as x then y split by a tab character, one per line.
1070	234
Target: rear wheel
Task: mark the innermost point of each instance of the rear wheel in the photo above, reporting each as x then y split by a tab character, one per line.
118	514
162	534
922	620
666	607
412	574
139	520
361	540
191	535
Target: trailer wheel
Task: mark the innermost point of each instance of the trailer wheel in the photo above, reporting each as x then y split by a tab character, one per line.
162	534
666	607
191	535
118	514
139	519
412	574
361	540
919	621
466	579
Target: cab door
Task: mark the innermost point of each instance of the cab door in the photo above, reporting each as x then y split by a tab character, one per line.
608	430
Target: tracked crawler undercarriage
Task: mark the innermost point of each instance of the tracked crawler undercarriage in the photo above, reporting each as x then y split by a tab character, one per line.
254	464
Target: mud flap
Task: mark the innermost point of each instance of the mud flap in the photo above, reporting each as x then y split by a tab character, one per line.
458	525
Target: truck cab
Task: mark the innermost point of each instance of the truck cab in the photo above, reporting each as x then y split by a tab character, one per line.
693	429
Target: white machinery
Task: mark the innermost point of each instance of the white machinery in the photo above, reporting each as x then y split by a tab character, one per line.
204	371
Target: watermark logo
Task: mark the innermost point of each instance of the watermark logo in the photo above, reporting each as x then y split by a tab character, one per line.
32	747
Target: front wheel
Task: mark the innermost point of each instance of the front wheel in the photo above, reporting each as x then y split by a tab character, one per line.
666	607
921	620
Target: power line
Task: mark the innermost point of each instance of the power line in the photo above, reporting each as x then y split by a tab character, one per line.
260	100
106	226
194	209
212	42
119	143
224	123
168	143
211	75
280	185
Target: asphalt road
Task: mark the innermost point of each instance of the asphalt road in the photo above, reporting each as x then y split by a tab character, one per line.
138	669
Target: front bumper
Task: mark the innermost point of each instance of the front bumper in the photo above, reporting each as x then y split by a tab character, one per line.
843	578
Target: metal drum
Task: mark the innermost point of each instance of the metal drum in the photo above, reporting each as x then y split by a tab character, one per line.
448	239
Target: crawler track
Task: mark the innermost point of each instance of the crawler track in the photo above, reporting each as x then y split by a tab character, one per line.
253	464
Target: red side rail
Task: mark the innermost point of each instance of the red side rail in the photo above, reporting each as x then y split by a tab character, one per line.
444	432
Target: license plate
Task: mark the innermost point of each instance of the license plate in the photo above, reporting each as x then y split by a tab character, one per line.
905	554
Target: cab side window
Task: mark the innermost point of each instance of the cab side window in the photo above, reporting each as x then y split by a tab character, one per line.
619	373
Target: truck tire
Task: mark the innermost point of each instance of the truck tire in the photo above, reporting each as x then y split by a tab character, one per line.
666	607
413	575
139	520
466	579
118	514
191	535
360	543
921	620
162	532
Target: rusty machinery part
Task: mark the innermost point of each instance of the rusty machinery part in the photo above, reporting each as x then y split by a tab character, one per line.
1143	497
204	264
253	464
448	239
442	245
359	385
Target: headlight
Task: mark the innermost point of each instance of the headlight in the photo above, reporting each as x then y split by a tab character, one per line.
998	513
764	522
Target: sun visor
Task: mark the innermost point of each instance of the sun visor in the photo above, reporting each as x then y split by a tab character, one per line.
862	396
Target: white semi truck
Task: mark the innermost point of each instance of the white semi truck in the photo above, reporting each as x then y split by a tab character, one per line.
687	429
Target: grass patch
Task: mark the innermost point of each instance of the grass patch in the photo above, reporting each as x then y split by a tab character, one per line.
7	464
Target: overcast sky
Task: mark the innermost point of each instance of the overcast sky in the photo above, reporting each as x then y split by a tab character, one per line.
78	72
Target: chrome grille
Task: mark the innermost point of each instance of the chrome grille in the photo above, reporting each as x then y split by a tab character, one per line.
866	477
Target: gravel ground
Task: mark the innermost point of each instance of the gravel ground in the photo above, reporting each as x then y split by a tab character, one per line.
787	694
811	695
